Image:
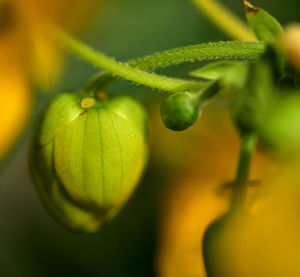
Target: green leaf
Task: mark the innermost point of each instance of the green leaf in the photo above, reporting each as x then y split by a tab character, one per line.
214	70
265	26
230	73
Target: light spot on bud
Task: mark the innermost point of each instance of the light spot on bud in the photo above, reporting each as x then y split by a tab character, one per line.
87	103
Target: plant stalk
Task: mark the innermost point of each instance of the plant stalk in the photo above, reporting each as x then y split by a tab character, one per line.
124	70
230	50
242	174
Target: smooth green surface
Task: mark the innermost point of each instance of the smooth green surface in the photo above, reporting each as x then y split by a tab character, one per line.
53	196
180	111
61	111
86	163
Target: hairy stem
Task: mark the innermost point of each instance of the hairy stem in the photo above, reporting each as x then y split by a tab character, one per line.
200	52
124	70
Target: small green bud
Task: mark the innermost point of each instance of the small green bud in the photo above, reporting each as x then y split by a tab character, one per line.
87	156
179	111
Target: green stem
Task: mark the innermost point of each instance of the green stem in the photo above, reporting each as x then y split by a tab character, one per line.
242	175
200	52
212	88
124	70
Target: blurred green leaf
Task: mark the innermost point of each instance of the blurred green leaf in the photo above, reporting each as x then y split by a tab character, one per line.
232	74
264	25
214	70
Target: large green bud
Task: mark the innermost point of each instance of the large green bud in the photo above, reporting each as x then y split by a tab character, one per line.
87	156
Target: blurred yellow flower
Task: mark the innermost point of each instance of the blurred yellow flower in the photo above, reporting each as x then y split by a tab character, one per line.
200	193
29	56
267	243
290	42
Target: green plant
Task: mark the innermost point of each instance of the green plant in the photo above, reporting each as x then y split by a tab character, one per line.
86	157
256	76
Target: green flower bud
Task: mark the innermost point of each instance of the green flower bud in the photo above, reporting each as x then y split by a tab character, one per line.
217	243
179	111
87	156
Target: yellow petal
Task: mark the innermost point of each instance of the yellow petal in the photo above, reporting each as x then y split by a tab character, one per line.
290	42
46	59
44	54
15	95
16	102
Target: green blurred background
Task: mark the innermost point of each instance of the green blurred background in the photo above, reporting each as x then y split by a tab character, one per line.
31	243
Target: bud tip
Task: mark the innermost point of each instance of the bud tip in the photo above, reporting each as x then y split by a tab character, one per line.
101	95
87	103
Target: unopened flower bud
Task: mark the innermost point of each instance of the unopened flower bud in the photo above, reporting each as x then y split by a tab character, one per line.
87	156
